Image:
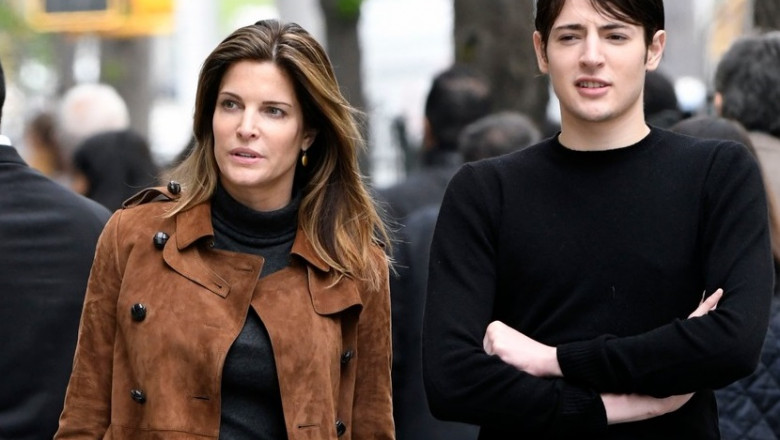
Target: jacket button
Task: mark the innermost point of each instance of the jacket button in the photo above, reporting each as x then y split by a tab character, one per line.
341	428
347	356
138	312
138	396
159	239
174	187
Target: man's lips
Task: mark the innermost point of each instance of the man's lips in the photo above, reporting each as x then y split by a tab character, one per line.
591	84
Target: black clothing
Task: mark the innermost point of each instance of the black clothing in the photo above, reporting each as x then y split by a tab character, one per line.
423	188
413	417
47	241
602	254
420	188
251	399
750	408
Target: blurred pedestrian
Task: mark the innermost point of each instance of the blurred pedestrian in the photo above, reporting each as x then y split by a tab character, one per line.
572	285
489	136
85	110
747	89
43	147
457	97
497	134
111	166
248	300
749	408
660	100
47	241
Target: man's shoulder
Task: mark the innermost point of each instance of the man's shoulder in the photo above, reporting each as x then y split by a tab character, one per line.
34	191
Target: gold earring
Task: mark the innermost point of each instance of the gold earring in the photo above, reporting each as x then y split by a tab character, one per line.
304	159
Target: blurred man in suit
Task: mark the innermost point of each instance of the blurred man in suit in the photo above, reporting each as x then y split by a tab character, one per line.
47	240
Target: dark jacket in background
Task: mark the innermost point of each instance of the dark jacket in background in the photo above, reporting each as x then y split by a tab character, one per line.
47	242
117	165
749	409
422	190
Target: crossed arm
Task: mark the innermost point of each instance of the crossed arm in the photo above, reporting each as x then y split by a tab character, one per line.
540	360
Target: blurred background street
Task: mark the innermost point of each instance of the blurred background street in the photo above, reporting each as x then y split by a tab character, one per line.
385	52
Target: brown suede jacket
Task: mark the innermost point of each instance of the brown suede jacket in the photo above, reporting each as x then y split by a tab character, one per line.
160	315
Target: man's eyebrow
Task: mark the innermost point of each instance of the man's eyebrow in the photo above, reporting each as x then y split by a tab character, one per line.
569	27
579	27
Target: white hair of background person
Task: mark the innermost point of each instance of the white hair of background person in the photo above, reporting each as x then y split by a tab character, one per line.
87	109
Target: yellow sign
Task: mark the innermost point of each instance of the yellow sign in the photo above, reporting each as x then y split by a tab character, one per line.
110	18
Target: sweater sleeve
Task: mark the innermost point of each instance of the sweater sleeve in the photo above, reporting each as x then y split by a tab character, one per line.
711	351
462	382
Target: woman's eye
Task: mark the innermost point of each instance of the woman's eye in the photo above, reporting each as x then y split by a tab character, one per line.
229	104
275	111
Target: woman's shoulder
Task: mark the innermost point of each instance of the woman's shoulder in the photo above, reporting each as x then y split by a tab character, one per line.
148	209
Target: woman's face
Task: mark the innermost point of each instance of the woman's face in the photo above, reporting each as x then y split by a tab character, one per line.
259	133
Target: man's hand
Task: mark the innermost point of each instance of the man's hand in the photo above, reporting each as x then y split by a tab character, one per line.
707	304
520	351
623	408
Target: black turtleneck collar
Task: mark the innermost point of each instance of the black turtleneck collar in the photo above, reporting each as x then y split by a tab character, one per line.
239	228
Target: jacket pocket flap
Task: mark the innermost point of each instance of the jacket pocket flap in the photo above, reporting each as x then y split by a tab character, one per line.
329	298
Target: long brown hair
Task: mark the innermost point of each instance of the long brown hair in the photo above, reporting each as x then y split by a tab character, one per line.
337	214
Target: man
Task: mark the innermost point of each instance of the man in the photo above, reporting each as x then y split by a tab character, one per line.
457	97
565	287
47	240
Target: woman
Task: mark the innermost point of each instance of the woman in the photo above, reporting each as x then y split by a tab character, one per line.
251	300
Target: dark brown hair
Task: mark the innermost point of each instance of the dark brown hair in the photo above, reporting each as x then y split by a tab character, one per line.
646	13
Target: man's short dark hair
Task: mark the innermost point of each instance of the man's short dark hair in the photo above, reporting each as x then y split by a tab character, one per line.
458	96
748	79
497	134
646	13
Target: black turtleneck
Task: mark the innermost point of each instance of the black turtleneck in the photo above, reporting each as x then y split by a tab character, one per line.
251	400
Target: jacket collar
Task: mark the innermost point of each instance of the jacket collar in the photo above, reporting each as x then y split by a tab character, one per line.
195	224
9	154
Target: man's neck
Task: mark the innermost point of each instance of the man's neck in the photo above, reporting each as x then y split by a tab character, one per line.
607	135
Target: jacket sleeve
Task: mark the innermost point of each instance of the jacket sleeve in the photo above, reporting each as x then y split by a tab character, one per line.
462	382
87	407
372	414
716	349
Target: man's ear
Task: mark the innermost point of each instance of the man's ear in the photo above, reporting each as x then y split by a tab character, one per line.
717	103
540	49
655	50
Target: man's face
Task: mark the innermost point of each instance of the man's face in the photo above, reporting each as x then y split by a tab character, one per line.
597	64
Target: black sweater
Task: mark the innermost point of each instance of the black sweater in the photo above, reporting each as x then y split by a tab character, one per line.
251	399
602	254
